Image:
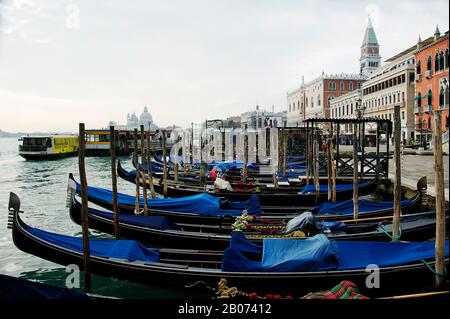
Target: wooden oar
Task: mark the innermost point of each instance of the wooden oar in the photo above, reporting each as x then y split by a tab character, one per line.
419	295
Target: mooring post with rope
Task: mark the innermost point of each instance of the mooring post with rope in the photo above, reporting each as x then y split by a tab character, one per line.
397	175
84	210
144	179
112	134
149	166
138	175
440	204
355	173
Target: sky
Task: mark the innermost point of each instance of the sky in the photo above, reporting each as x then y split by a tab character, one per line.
65	62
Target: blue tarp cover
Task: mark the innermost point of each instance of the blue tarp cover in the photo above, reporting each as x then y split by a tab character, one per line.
112	248
202	204
285	255
227	165
155	222
324	188
346	207
12	288
313	254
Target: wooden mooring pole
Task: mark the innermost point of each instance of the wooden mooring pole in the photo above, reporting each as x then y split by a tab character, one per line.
397	175
244	166
138	175
329	168
355	172
149	166
144	179
112	134
84	210
316	167
308	155
333	172
440	204
165	164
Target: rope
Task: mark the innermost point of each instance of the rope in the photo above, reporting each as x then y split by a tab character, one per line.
434	271
389	235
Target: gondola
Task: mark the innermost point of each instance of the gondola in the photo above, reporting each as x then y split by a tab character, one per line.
283	264
12	288
161	231
271	200
197	214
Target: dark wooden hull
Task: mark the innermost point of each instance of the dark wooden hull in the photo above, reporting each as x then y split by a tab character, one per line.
217	238
176	270
44	157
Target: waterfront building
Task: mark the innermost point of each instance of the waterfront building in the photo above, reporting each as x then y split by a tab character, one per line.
133	122
391	85
260	118
313	99
432	85
345	106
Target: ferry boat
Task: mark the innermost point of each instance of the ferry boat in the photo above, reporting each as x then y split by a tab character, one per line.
48	147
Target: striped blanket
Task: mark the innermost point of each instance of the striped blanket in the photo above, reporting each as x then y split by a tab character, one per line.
344	290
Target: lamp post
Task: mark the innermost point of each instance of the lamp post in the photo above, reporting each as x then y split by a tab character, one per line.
360	108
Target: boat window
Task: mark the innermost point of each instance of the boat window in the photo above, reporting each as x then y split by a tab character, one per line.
49	142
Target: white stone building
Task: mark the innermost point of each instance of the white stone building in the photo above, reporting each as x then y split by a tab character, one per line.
393	84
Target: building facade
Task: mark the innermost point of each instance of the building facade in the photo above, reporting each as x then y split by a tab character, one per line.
134	122
391	85
345	106
432	85
260	118
313	99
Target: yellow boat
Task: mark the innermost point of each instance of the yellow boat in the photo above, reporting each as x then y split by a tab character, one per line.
48	147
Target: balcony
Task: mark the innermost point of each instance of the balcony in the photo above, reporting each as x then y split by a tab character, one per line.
443	107
427	108
417	110
418	77
428	74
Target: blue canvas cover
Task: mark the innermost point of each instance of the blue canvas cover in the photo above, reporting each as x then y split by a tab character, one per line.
228	165
155	222
324	188
313	254
235	257
12	288
290	255
112	248
357	255
202	204
346	207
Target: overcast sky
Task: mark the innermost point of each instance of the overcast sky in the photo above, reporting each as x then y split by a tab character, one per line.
64	62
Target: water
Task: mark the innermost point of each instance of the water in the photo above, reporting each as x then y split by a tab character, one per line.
41	187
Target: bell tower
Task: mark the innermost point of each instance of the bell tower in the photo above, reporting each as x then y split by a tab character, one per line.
370	51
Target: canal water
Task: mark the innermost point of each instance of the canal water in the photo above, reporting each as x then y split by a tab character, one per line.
42	186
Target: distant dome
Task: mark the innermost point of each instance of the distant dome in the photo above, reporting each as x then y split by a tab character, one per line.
145	117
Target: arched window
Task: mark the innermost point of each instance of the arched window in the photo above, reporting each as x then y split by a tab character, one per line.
436	63
419	100
329	99
390	99
441	61
429	99
446	59
419	68
394	98
429	63
341	86
429	123
318	100
441	97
